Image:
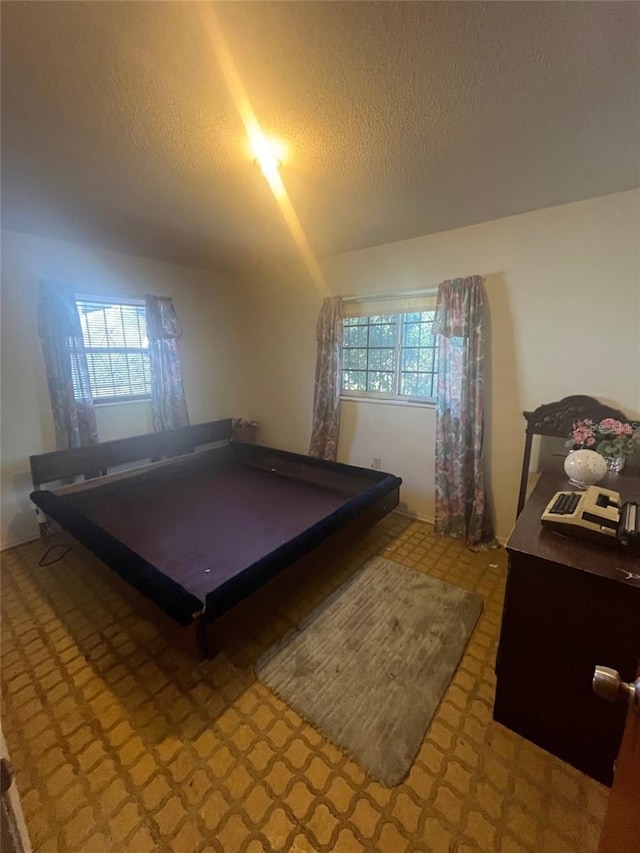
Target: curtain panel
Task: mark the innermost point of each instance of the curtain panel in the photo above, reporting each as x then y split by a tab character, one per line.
326	394
168	401
60	333
461	507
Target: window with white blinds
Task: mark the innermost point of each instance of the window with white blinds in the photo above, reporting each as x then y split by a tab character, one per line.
114	332
389	349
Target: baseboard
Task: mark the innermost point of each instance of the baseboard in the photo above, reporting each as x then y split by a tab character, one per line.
501	540
4	546
415	516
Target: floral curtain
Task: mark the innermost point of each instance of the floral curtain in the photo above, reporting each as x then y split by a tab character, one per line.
60	333
168	402
462	509
326	395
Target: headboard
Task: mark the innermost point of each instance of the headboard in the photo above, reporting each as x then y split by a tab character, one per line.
96	459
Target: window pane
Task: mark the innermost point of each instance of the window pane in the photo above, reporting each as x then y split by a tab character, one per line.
425	360
408	384
118	374
410	359
116	348
137	378
427	338
424	385
375	336
95	330
361	336
350	338
113	324
100	375
379	381
373	353
354	380
387	359
411	335
388	335
418	354
355	358
115	328
374	359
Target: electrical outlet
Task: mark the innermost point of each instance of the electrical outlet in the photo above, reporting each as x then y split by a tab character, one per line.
377	463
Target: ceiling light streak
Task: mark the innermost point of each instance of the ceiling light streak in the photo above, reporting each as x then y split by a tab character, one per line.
258	143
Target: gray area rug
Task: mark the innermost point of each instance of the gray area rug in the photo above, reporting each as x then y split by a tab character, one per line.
369	667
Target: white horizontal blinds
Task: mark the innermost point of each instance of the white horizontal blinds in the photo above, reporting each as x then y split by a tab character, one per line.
373	306
116	347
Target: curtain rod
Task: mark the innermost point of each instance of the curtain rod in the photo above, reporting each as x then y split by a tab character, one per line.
371	297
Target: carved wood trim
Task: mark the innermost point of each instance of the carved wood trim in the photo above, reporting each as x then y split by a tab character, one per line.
557	419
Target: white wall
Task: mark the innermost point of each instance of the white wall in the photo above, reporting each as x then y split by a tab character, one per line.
563	286
212	360
564	296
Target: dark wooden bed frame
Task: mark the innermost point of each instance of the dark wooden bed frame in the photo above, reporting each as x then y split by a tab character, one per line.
76	468
96	460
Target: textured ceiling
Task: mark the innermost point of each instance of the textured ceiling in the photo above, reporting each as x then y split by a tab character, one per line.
402	119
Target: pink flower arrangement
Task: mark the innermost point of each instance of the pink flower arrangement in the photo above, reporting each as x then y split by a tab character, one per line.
608	437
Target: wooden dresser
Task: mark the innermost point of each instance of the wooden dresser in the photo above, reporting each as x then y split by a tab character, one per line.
569	606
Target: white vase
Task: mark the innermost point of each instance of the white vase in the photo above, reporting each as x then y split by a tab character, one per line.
615	463
584	468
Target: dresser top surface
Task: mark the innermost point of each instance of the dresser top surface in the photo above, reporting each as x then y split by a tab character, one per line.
531	538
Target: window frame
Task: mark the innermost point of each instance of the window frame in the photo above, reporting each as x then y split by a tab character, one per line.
116	399
391	396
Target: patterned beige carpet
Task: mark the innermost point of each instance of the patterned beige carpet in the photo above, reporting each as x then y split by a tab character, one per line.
123	741
368	668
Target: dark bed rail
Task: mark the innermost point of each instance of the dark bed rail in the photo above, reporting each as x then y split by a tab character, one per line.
99	458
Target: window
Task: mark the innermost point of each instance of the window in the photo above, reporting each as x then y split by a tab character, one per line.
391	355
117	349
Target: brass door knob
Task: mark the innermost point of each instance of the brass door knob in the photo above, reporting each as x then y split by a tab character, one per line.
608	685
